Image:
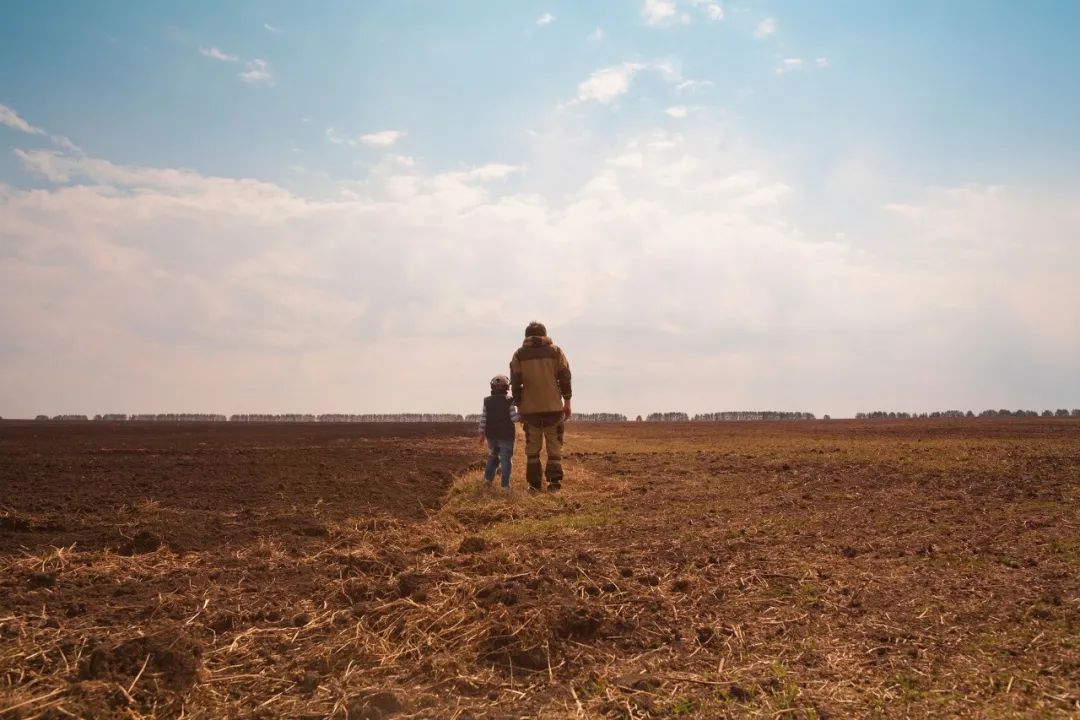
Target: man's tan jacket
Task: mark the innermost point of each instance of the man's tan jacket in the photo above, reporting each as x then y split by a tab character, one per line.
540	378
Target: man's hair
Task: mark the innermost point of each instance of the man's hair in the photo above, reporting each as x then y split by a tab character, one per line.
535	329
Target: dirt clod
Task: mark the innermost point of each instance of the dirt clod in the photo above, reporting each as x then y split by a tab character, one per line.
411	584
431	548
511	650
578	623
13	523
311	529
473	544
42	580
682	585
499	592
309	682
637	681
222	622
376	706
142	543
171	658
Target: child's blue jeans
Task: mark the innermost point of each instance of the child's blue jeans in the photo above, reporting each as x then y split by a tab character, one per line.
500	454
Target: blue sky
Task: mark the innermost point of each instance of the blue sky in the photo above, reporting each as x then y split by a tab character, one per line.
316	204
945	86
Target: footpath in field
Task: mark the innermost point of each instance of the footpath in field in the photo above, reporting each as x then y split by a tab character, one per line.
791	570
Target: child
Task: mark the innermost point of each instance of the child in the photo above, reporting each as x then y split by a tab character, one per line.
497	428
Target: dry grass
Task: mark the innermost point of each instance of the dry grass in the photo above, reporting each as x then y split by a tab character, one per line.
727	572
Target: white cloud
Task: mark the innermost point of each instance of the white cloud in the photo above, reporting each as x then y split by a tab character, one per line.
713	10
257	72
382	139
668	70
794	64
677	111
272	30
338	139
657	12
11	119
765	28
629	160
61	168
492	171
381	294
789	65
214	53
606	84
597	35
65	143
545	19
693	85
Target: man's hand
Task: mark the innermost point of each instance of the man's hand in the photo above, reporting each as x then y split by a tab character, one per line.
483	440
566	410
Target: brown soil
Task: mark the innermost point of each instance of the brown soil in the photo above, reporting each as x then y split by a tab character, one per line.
136	487
808	570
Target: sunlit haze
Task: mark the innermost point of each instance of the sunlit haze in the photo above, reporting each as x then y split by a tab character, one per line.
358	206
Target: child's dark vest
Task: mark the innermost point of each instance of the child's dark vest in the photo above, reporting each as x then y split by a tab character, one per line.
499	425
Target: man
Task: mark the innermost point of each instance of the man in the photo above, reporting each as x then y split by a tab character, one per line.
540	379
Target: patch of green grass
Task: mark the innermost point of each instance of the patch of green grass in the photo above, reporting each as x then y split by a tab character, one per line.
1068	550
808	593
787	695
682	706
908	686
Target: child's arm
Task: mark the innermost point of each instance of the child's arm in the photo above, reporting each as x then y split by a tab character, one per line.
516	385
514	415
483	420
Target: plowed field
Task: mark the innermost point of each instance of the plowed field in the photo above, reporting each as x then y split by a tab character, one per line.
789	570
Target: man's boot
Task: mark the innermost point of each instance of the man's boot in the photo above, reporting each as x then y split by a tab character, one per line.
534	472
554	474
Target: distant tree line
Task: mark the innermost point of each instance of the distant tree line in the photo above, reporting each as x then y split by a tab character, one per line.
271	418
890	415
176	417
574	417
391	417
597	417
725	416
744	415
261	417
667	417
